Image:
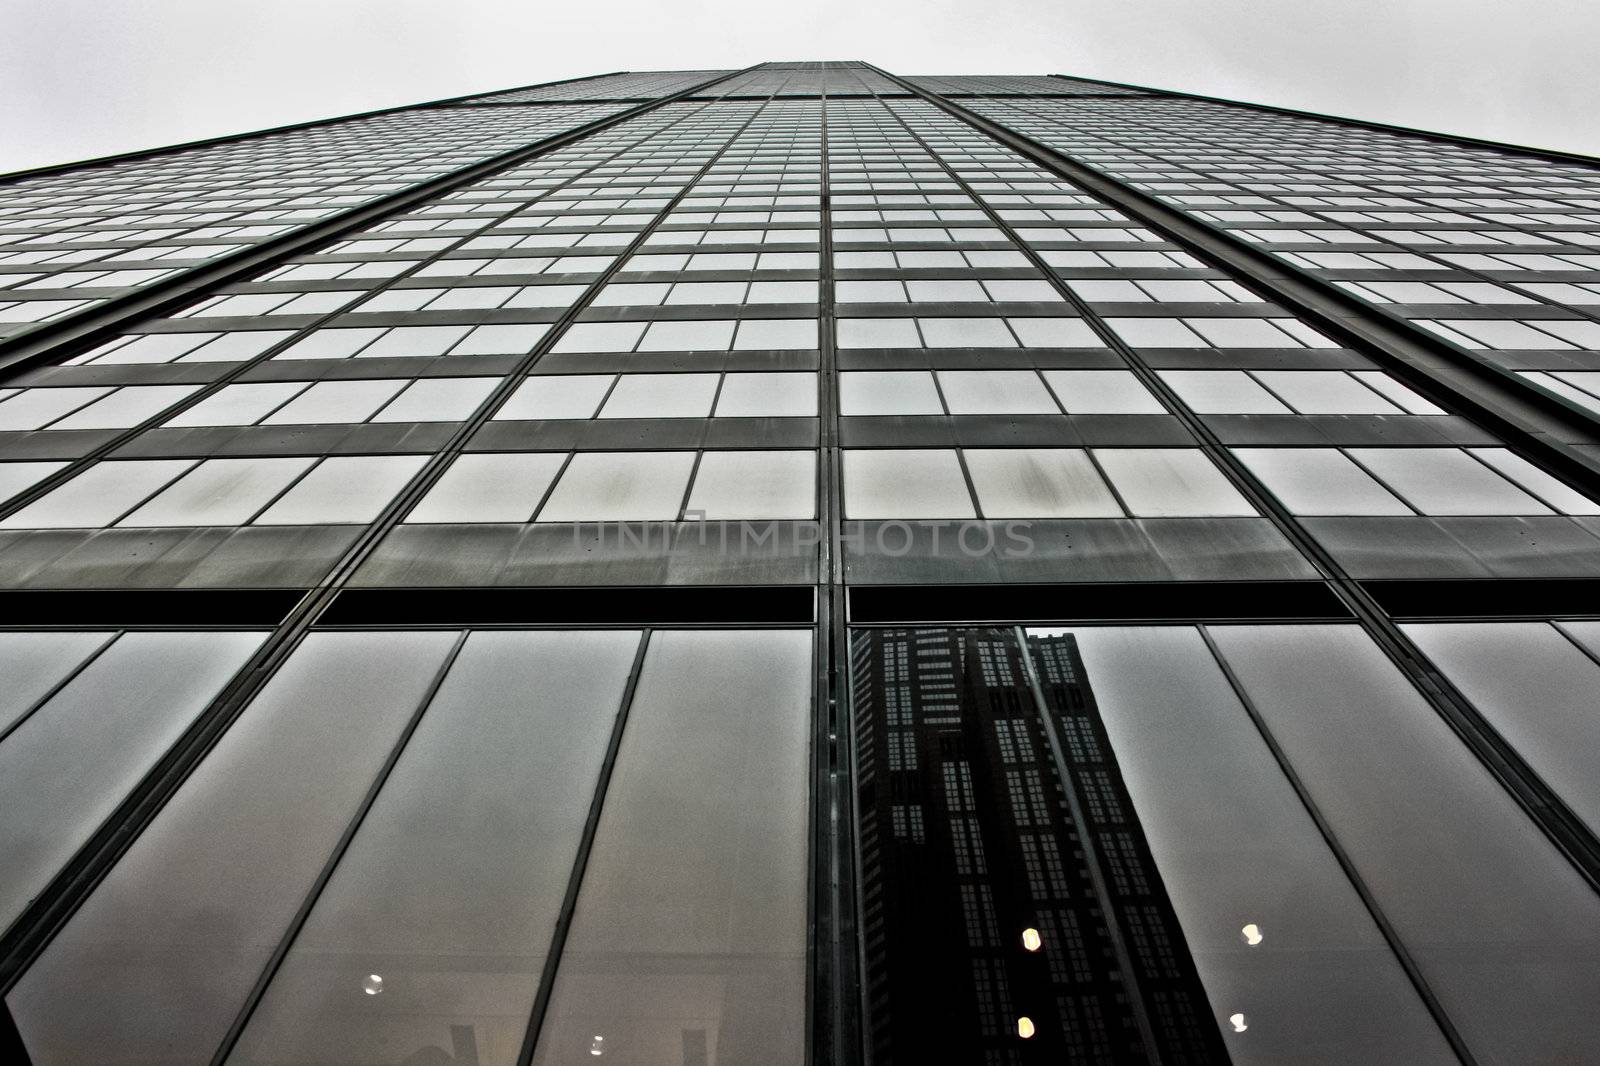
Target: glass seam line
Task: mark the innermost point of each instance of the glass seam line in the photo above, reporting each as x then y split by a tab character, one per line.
79	464
580	861
56	904
1543	806
42	342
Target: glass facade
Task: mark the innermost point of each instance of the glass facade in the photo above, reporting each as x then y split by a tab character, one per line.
802	565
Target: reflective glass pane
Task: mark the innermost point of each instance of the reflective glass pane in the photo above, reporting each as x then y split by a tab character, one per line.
690	932
219	492
65	769
1276	929
1039	483
620	487
343	489
905	483
490	487
751	484
1162	482
449	892
1505	930
157	962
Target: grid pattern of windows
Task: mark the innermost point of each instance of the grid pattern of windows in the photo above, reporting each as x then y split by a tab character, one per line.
1498	252
71	240
427	645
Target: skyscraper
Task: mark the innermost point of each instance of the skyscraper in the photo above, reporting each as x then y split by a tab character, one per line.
802	564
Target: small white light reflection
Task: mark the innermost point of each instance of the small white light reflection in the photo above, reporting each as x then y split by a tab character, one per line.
597	1046
1251	934
1031	940
372	985
1239	1024
1025	1027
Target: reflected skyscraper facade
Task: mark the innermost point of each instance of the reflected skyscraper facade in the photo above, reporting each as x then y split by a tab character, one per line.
802	564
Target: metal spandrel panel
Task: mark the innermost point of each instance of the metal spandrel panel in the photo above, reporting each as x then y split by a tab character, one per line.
156	963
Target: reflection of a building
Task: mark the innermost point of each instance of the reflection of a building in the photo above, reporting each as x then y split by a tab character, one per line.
973	857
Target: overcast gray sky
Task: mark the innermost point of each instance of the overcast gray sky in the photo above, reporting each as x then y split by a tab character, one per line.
81	78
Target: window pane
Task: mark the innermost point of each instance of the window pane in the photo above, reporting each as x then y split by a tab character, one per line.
65	769
34	663
905	483
755	485
451	888
1102	392
126	407
1224	392
1316	392
238	405
157	962
348	489
661	396
1446	481
219	492
983	392
557	396
1536	688
1236	848
1505	930
99	495
336	401
1319	481
767	396
437	400
888	392
690	930
490	488
620	487
1039	483
1170	482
